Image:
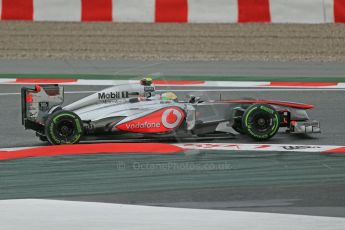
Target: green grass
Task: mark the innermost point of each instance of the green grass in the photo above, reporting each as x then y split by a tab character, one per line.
187	77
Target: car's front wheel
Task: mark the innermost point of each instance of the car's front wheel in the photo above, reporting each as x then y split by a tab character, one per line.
63	127
260	121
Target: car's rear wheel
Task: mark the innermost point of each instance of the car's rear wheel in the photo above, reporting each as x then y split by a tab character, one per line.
63	127
260	121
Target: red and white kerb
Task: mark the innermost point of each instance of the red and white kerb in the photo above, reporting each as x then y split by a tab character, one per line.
177	11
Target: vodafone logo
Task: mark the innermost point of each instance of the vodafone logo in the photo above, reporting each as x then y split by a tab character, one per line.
160	121
171	118
144	125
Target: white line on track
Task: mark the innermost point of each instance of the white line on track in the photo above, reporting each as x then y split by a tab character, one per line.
204	90
247	90
67	92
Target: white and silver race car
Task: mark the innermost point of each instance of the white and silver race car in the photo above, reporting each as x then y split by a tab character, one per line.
136	111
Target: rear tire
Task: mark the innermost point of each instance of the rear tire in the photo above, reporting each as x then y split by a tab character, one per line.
63	127
260	121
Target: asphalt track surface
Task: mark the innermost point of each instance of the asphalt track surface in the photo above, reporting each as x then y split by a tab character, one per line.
300	183
176	68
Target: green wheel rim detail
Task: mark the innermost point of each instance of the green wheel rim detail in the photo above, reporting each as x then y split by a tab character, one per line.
249	128
247	116
53	132
78	126
63	114
276	124
269	110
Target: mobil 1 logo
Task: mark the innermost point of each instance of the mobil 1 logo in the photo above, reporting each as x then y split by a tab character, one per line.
111	96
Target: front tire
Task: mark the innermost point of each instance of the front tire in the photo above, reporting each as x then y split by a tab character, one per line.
260	121
63	127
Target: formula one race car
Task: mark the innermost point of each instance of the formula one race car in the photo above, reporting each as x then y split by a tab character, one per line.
136	111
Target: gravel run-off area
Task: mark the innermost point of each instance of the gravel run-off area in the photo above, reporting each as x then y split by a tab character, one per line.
144	41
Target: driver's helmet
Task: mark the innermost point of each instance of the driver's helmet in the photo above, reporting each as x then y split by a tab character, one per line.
169	96
147	81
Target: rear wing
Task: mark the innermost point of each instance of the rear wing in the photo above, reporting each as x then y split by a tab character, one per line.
37	103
